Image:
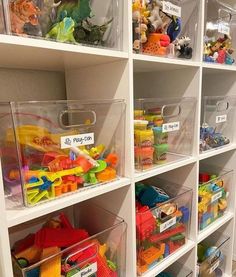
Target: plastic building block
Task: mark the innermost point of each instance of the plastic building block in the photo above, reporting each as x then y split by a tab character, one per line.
185	214
167	234
145	223
152	195
48	237
51	267
107	174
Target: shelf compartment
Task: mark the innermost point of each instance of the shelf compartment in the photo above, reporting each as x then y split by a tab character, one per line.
214	194
86	23
211	255
97	246
163	131
176	270
159	31
51	149
163	215
216	129
2	22
219	37
28	53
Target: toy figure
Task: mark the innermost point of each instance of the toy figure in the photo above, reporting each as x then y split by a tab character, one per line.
22	12
63	31
182	48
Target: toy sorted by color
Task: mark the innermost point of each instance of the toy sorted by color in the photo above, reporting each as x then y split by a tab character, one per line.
150	141
68	251
49	170
161	226
212	198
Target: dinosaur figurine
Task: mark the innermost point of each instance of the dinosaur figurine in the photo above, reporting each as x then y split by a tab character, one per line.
63	31
22	12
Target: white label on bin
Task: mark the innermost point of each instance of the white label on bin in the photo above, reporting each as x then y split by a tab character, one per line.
221	118
170	127
167	224
214	267
77	140
223	29
216	196
170	8
88	271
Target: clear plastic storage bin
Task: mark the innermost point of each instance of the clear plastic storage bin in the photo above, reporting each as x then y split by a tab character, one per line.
89	22
220	38
2	22
217	118
83	240
176	270
165	28
211	255
50	149
163	214
214	194
164	131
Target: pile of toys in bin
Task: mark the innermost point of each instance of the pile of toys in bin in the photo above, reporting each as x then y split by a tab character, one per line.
156	31
151	143
210	138
49	171
210	259
68	250
212	199
70	21
161	225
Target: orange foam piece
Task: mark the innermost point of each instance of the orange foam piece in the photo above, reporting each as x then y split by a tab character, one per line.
51	267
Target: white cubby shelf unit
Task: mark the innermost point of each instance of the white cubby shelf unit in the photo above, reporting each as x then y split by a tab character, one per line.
32	69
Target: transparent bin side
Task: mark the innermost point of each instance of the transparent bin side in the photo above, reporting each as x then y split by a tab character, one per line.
177	270
84	22
214	250
220	38
163	229
54	148
168	135
165	28
2	21
218	115
102	254
214	195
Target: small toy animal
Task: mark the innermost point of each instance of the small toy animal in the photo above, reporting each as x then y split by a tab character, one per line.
63	31
182	48
22	12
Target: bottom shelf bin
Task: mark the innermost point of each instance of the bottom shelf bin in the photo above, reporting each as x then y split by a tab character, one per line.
83	240
176	270
163	213
211	255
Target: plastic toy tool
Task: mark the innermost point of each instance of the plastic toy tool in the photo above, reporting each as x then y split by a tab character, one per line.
161	225
58	249
49	171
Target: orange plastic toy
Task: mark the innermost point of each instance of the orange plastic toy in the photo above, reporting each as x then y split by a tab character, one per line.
53	266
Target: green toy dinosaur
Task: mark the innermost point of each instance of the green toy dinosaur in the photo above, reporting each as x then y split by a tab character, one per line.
63	31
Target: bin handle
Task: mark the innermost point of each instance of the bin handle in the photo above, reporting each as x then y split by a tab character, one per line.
220	107
76	111
171	105
223	17
80	250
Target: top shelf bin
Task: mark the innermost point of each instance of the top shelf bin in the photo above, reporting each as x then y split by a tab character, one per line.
165	28
87	22
50	149
220	32
2	23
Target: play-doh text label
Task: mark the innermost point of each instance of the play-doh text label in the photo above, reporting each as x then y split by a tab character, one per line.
77	140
